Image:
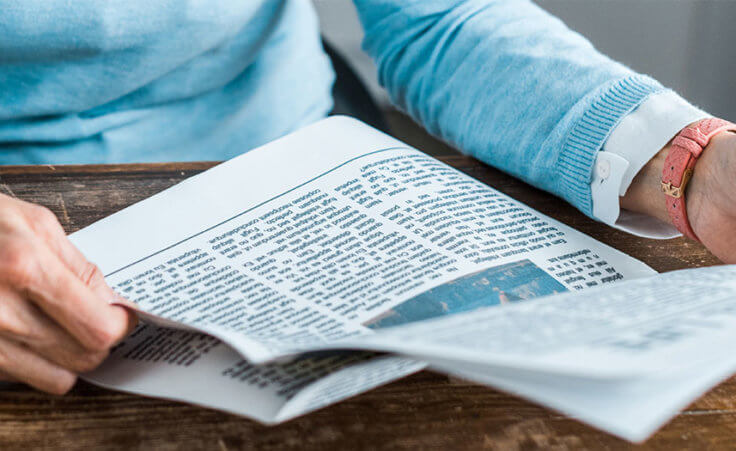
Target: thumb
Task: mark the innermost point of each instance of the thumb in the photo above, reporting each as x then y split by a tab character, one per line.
96	281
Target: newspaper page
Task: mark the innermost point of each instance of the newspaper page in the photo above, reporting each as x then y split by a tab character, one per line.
625	359
327	235
200	369
631	330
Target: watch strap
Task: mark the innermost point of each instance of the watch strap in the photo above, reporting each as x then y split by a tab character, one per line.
679	166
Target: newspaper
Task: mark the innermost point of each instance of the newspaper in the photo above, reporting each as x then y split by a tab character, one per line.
271	267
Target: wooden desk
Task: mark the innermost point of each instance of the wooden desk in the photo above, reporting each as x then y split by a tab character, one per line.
422	411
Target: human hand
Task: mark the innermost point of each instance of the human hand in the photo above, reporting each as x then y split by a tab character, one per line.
710	196
55	316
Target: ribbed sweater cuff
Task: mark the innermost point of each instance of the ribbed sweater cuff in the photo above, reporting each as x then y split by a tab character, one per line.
608	107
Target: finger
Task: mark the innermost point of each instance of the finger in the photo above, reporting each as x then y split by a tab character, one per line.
96	281
24	366
46	224
25	323
38	273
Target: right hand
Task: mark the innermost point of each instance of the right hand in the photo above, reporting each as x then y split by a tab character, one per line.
55	316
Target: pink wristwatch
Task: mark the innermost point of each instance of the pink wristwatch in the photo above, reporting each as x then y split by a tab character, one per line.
680	164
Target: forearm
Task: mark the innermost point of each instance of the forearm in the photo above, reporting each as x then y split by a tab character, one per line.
506	82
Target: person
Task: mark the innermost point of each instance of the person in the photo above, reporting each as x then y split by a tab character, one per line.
99	81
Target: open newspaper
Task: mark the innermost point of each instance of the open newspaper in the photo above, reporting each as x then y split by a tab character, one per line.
338	259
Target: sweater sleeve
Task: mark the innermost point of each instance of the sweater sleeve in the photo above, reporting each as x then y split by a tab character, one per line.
506	82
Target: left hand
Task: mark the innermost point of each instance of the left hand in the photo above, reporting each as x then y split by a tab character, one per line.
710	196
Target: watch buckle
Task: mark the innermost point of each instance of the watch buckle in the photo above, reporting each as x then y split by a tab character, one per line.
677	191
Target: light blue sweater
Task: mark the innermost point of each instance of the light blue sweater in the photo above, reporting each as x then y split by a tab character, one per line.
92	81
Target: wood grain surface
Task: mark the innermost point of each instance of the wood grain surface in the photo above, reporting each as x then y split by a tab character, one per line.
423	411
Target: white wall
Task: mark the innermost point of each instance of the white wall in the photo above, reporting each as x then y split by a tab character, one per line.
689	45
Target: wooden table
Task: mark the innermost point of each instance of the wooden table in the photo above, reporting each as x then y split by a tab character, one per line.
422	411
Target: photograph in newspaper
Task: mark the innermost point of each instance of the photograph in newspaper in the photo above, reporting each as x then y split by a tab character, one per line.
500	285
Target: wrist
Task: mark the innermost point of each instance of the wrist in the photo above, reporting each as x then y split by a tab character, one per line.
645	192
